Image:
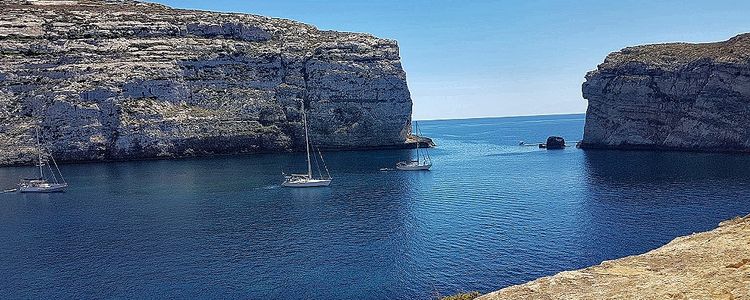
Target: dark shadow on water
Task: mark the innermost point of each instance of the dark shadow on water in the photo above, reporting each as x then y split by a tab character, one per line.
613	166
635	201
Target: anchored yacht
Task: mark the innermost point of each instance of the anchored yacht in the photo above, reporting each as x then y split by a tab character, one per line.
307	180
48	181
422	163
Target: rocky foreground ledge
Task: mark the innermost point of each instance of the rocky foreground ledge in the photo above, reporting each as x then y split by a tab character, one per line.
121	79
676	96
708	265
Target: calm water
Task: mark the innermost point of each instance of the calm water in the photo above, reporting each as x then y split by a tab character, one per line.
490	214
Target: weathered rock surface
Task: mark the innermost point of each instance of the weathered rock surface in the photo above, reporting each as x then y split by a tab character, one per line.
671	96
125	79
708	265
555	142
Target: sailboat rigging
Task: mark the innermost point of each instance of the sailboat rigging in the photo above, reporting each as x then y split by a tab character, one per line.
417	164
44	184
307	180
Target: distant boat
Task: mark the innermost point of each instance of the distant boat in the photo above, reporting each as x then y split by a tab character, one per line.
418	164
307	180
47	182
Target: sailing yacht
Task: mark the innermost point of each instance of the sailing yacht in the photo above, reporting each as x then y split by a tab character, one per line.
44	183
307	180
418	164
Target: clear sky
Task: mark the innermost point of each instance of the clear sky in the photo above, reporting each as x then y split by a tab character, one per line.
478	58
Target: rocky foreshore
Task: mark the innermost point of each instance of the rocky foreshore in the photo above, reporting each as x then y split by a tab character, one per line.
676	96
113	80
708	265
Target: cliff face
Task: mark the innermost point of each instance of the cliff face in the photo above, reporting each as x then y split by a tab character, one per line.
671	96
709	265
124	79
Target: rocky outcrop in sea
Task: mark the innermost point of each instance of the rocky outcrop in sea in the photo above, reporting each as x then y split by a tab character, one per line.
671	96
110	80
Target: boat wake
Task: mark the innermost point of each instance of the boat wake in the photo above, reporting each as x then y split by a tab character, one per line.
387	169
510	153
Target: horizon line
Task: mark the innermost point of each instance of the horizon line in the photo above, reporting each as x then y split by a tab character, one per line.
491	117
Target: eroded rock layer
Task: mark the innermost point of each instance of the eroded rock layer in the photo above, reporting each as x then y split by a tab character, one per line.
671	96
708	265
124	79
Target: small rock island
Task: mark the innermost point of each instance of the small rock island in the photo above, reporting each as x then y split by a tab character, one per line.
112	80
675	96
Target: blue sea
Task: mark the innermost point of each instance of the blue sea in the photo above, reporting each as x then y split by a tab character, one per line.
489	214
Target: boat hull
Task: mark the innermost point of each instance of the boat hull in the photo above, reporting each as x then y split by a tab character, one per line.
307	183
413	167
47	188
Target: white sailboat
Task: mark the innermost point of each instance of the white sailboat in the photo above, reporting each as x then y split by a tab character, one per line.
307	180
43	184
423	164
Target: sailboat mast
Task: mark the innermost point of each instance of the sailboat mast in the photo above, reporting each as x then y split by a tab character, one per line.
39	149
307	141
416	132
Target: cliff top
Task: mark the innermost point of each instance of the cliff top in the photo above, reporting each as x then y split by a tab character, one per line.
81	4
671	55
141	10
137	9
708	265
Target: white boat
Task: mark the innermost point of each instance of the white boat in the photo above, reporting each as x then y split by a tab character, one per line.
302	180
420	164
47	182
307	180
413	165
40	186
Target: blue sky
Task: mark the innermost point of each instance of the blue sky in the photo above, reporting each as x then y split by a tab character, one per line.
482	58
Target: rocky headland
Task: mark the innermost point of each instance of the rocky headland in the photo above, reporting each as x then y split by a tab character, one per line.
708	265
675	96
120	79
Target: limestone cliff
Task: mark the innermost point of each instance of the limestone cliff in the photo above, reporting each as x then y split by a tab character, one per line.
709	265
671	96
125	79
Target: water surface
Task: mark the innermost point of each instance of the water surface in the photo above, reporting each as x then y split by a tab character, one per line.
489	214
